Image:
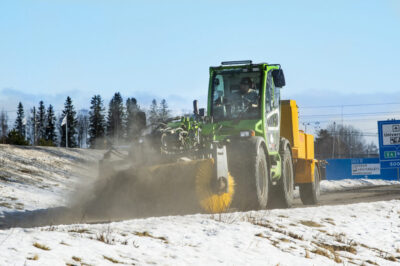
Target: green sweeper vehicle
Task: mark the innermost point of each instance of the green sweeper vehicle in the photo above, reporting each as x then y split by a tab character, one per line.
245	152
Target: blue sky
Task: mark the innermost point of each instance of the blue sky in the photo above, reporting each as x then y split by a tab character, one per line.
332	52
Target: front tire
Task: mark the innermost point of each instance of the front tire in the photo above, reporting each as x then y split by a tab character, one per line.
249	167
310	192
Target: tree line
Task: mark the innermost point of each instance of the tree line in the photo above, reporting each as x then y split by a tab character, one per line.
342	141
94	128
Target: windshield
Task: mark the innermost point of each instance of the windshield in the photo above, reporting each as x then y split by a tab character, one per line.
236	95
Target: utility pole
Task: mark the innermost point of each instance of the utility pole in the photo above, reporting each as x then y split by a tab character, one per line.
305	126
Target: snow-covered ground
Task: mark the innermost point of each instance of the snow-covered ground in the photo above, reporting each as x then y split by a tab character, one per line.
352	234
34	178
42	177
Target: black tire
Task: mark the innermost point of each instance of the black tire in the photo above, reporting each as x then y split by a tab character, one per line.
284	188
261	178
250	170
309	192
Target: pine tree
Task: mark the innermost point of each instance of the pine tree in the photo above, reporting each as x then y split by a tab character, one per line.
50	132
153	114
133	123
3	126
82	127
20	120
115	118
70	113
97	123
164	112
33	126
41	122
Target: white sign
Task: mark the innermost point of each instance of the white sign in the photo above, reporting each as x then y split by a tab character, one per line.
391	134
366	169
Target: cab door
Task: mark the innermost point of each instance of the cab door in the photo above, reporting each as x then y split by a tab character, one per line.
272	114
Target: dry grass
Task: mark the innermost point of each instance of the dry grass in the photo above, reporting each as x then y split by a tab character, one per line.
334	248
111	259
341	238
80	231
6	205
295	236
391	258
228	218
27	171
147	234
19	206
310	223
11	198
77	259
330	251
34	257
284	240
330	221
336	258
105	237
273	241
321	252
381	253
49	228
307	256
37	245
266	224
371	262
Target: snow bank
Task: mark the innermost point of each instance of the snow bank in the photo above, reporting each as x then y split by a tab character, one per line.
346	184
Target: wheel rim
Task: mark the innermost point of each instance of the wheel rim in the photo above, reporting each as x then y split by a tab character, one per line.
289	177
261	178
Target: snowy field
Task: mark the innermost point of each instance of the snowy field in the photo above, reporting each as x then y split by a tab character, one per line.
34	178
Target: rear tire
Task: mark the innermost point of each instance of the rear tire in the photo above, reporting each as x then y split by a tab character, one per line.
284	188
309	192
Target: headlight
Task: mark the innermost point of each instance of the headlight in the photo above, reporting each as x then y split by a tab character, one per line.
247	133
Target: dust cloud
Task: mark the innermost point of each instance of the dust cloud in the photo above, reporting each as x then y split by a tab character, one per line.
139	185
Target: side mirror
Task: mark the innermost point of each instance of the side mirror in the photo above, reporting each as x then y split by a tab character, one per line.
202	112
279	78
196	107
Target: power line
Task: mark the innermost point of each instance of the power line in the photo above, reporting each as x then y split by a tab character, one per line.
330	121
352	114
347	105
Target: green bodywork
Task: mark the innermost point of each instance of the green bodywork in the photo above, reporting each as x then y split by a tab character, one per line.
223	130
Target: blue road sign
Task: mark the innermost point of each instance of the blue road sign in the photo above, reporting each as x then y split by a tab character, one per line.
389	143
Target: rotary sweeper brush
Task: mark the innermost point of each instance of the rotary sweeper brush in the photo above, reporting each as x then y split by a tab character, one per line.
246	152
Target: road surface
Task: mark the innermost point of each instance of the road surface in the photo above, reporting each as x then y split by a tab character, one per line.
63	215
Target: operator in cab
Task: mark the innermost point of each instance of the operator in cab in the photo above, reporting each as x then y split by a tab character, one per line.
248	93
